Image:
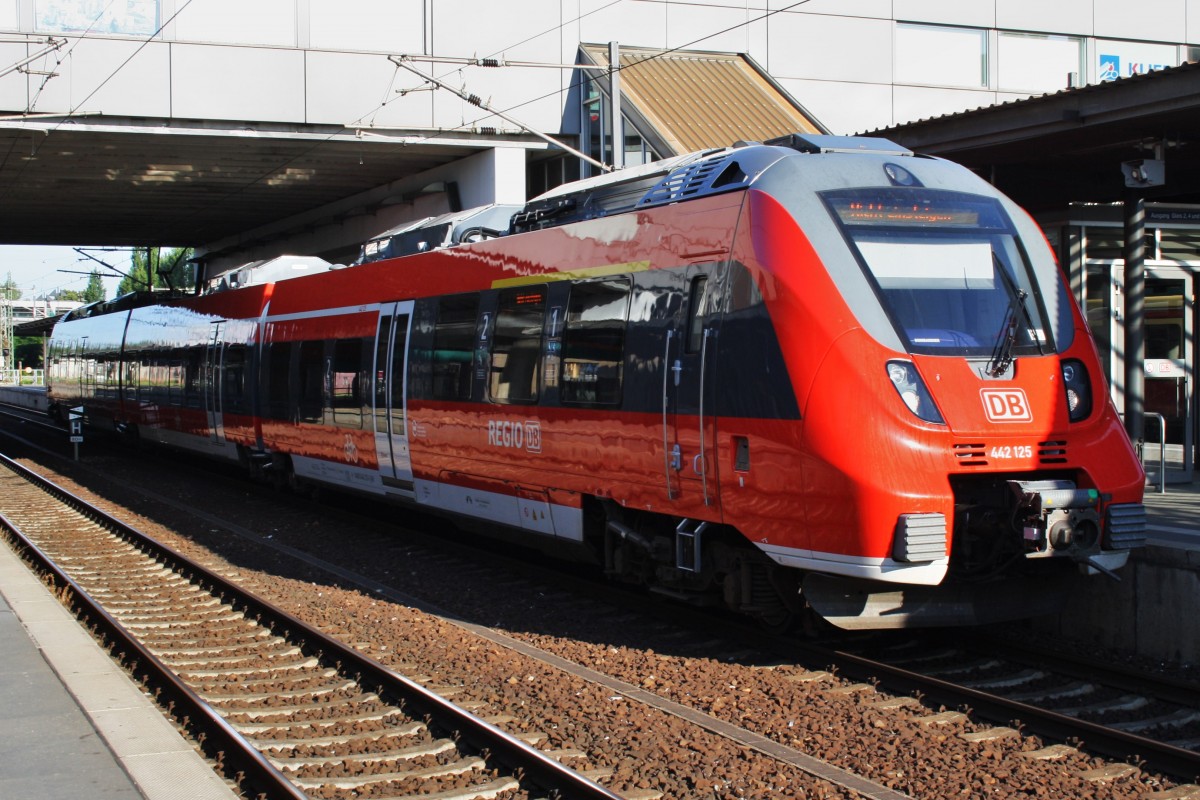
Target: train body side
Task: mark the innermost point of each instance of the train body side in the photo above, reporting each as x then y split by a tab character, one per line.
176	372
530	458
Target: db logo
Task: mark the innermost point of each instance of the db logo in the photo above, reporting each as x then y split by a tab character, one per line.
517	435
1006	405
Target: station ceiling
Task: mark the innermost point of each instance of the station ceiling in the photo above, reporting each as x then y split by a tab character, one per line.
128	182
1046	152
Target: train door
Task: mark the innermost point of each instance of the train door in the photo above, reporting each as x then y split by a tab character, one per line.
689	421
391	391
211	382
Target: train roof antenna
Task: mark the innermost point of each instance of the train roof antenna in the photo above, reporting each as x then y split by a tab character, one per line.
473	99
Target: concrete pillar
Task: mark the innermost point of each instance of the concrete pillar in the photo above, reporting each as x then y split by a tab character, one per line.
1135	317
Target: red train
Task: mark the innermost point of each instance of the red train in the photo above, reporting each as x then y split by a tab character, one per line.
820	373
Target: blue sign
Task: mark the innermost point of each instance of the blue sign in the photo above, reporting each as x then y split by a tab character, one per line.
1110	68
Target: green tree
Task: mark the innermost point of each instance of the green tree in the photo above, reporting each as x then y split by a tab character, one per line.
95	288
73	295
29	351
169	267
9	290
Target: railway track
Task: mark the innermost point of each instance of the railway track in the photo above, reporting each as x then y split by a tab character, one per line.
275	701
1125	714
727	644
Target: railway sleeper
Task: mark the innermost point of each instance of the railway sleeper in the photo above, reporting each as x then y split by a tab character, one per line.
265	670
220	699
1173	719
435	747
460	767
147	624
245	631
250	715
378	741
180	655
298	682
316	725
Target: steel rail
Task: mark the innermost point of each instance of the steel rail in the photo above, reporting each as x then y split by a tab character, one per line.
221	741
1160	687
1175	761
538	768
29	417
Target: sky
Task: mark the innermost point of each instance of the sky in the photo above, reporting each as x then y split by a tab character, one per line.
38	270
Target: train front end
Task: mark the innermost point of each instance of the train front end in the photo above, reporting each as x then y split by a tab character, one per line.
961	458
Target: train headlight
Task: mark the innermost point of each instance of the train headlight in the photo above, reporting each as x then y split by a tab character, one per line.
1078	388
912	391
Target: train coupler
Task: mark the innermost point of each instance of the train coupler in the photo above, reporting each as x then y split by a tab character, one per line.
1057	519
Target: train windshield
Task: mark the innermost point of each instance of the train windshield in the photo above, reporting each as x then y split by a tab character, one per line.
948	268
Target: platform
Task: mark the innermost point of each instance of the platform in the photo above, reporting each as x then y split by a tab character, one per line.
1173	516
72	724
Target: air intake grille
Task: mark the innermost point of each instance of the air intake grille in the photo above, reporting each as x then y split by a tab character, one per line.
1052	452
1125	526
700	177
971	455
920	537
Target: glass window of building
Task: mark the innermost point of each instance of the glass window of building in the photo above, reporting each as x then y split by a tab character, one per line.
395	26
128	17
596	141
1030	62
8	16
941	56
271	22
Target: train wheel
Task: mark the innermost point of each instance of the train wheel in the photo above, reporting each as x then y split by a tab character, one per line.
765	593
279	472
779	621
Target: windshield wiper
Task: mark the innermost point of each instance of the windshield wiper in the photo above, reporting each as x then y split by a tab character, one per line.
1006	342
1017	313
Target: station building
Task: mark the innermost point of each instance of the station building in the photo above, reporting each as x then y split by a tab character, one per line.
250	130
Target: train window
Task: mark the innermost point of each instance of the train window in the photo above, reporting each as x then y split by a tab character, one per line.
192	377
346	378
389	385
175	379
453	346
309	396
697	310
517	345
233	382
380	384
396	402
594	343
279	361
130	380
146	380
947	267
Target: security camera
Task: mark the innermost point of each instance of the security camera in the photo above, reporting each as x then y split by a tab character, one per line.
1144	172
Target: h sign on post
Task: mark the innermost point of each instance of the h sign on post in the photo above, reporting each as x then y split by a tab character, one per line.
75	421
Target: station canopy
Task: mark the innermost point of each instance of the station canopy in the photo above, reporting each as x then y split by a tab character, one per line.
137	182
682	101
1049	151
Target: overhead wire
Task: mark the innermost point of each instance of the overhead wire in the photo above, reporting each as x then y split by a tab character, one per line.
653	56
